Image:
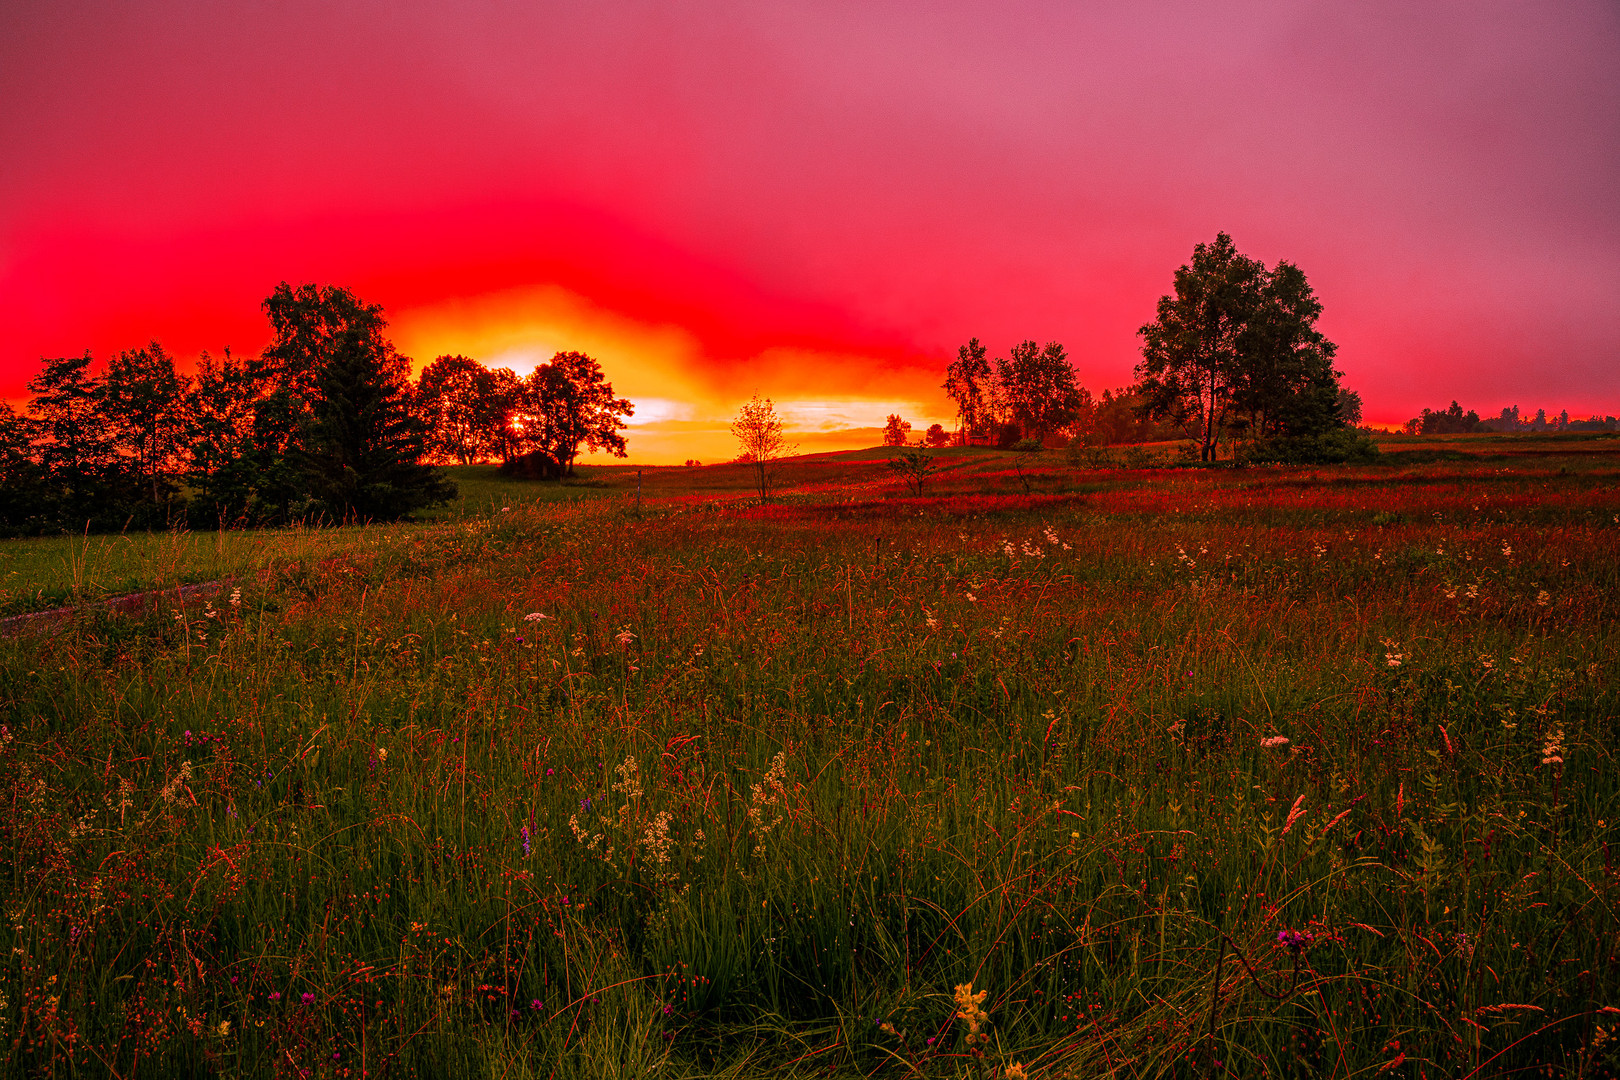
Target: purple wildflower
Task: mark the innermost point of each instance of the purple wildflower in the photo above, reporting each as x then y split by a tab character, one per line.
525	841
1295	941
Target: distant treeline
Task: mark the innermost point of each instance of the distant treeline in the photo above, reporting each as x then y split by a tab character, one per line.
326	424
1454	421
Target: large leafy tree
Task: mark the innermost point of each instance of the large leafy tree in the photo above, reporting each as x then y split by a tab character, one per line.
458	400
1286	386
969	382
1235	353
1191	360
569	405
359	441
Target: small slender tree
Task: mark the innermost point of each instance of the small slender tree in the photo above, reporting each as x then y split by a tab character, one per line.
915	464
895	430
760	433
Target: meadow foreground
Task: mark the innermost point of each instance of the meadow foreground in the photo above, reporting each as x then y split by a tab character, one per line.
1186	772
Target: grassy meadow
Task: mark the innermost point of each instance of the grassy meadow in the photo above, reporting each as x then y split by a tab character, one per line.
1062	769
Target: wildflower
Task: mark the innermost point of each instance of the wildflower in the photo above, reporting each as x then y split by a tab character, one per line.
382	753
309	999
525	841
657	840
629	784
624	639
1274	742
536	1004
1015	1071
1543	598
236	597
275	995
769	793
1295	941
169	792
535	616
969	1007
222	1029
1552	748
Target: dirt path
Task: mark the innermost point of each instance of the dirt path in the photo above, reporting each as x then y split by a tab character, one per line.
51	619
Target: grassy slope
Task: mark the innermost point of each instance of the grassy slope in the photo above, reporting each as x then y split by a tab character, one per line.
764	780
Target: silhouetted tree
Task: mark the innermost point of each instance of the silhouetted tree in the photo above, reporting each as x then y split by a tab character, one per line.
1038	389
142	399
1286	387
895	430
22	480
458	401
359	440
914	463
572	405
936	436
85	481
969	383
1191	362
238	440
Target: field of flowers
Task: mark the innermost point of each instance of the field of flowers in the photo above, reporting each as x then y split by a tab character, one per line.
1055	772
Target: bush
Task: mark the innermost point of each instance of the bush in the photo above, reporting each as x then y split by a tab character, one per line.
1335	447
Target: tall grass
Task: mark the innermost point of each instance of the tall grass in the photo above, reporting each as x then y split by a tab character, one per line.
1236	783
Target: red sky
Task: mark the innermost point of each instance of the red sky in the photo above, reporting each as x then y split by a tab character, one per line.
819	201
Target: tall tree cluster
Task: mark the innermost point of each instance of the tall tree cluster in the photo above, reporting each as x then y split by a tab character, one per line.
325	424
475	413
1030	394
